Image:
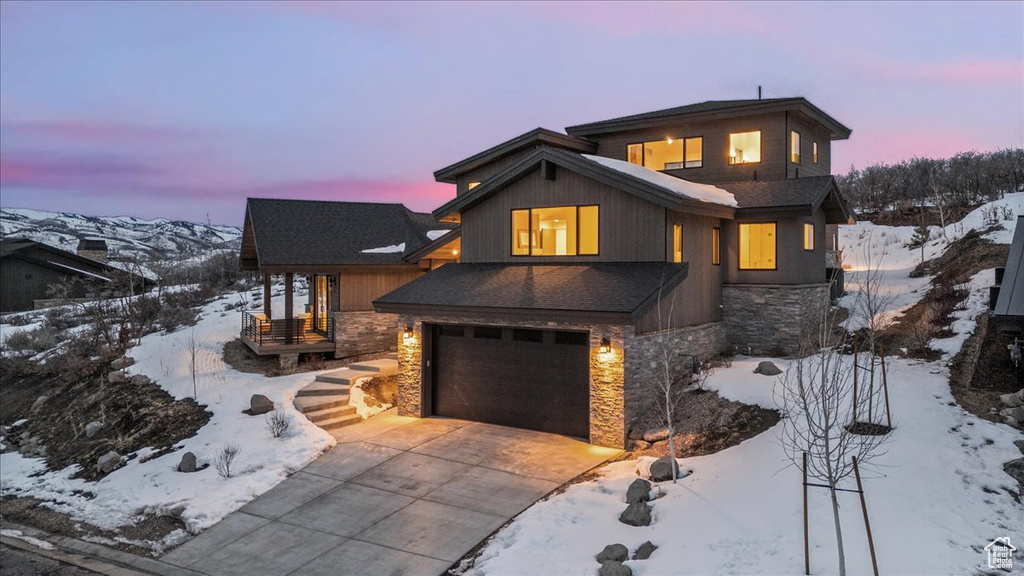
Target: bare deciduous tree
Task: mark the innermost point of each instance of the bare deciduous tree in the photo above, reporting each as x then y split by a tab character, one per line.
222	462
278	423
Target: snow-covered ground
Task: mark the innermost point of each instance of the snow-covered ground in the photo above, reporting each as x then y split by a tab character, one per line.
935	498
153	486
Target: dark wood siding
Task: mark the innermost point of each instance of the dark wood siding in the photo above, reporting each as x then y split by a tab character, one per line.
359	288
484	172
630	229
794	265
22	283
809	133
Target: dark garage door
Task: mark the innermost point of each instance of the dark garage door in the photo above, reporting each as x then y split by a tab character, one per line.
534	379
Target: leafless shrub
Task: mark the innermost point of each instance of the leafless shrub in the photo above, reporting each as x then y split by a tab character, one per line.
278	423
222	462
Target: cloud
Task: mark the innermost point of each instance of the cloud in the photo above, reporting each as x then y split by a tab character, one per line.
94	130
963	71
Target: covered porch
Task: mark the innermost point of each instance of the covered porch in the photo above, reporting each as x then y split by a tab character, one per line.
305	332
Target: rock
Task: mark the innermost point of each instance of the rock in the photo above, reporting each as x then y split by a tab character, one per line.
1015	469
1013	400
635	434
122	363
613	568
92	428
141	380
188	462
260	404
641	445
644	551
117	377
1020	445
108	462
39	403
615	552
638	491
638	514
661	469
1013	416
656	435
767	368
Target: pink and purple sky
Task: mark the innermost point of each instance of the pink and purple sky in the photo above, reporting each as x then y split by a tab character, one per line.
183	109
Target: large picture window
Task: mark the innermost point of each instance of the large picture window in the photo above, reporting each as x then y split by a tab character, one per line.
668	154
745	147
757	246
557	231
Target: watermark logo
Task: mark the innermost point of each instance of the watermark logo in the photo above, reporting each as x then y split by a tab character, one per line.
1000	553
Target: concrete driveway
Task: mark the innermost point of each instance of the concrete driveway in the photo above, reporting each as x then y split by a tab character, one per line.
396	496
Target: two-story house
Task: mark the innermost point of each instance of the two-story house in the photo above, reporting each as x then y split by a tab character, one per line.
705	226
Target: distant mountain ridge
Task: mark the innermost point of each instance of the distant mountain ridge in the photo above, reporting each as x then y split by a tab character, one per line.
126	236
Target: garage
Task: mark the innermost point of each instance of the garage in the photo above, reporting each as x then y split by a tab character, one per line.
524	378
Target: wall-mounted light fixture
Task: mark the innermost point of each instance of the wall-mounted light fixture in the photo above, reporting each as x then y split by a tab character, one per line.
407	333
606	346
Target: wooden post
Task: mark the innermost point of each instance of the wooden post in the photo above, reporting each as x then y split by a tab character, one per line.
885	387
289	315
855	360
807	549
266	294
867	523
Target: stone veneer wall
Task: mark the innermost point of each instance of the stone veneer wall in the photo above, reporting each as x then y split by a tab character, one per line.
361	333
773	319
607	408
645	356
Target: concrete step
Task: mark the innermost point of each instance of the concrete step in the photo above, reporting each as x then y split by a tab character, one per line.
307	404
339	422
322	389
318	416
392	355
383	367
345	376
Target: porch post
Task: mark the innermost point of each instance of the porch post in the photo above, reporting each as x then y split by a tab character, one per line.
288	313
266	294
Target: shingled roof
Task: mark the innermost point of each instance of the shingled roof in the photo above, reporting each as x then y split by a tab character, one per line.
625	289
794	193
531	139
1009	308
297	233
42	255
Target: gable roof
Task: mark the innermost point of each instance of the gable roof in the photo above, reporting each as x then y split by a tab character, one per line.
811	193
653	188
36	253
1009	309
712	110
625	289
535	137
296	233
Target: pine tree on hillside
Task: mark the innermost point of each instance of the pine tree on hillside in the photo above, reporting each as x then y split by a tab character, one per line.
921	236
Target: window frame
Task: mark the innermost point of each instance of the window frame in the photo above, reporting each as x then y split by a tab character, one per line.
729	149
739	247
716	245
529	231
472	185
805	237
643	153
795	155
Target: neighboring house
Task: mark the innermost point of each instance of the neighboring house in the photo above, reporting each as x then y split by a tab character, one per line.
1007	296
711	226
34	275
351	253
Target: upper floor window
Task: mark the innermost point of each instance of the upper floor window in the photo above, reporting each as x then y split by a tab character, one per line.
745	147
716	246
814	152
558	231
757	246
472	185
677	243
668	154
794	147
808	236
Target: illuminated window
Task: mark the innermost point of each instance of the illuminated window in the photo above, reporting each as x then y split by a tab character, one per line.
677	242
815	153
808	236
716	246
745	147
757	246
559	231
472	185
668	154
794	147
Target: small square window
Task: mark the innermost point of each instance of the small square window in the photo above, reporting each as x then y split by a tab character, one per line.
472	185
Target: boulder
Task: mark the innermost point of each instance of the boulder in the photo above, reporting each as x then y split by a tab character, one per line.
615	552
1020	445
656	435
638	491
108	462
117	377
92	428
644	551
767	368
661	469
122	363
641	445
1015	469
39	403
260	404
188	462
141	380
1013	400
1013	416
638	514
613	568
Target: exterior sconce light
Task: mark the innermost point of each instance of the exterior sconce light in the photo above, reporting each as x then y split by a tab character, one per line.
455	252
407	332
606	346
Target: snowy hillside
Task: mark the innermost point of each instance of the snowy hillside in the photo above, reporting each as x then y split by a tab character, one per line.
126	236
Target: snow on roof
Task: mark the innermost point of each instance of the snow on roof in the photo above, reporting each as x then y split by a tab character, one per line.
685	188
435	234
104	278
394	248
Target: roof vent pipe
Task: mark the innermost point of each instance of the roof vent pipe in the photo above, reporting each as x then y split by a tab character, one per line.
758	92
